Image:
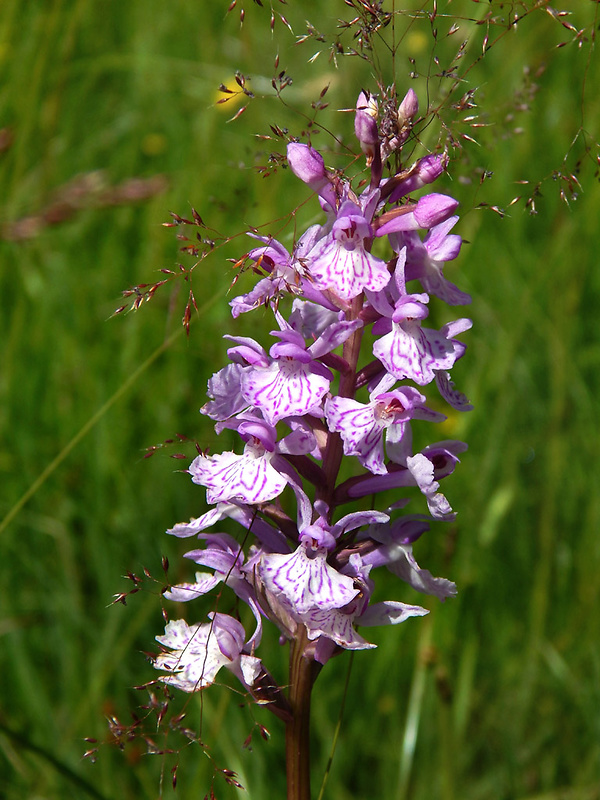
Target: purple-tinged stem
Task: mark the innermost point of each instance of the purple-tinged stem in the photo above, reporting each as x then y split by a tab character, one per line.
303	670
334	450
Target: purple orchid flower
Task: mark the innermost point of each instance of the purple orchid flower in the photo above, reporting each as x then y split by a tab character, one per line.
199	651
290	381
286	273
425	260
362	427
225	556
341	261
410	351
249	478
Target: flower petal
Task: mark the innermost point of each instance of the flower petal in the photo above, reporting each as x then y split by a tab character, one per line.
227	476
307	582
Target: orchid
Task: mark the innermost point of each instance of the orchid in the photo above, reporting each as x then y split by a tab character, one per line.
302	407
199	651
341	262
362	426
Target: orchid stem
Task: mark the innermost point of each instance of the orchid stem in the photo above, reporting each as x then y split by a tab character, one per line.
332	458
303	672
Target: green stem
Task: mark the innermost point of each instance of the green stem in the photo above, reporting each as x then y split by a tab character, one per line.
303	672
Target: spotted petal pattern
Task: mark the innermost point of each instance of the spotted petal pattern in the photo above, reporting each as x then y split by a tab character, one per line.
199	651
410	351
249	478
286	388
340	262
361	431
306	580
338	627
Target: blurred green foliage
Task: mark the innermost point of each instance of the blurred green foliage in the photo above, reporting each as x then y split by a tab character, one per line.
494	695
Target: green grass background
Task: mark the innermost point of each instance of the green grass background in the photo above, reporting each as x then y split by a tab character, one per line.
496	694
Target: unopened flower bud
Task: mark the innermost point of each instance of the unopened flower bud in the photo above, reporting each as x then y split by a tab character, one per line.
408	108
365	125
425	171
365	128
434	208
367	102
429	168
366	132
429	211
308	165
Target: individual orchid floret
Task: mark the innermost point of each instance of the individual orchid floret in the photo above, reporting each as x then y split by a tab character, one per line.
337	625
308	165
261	473
305	579
341	261
362	427
425	470
286	273
199	651
365	125
304	588
291	381
425	260
227	570
410	351
274	259
225	556
249	478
